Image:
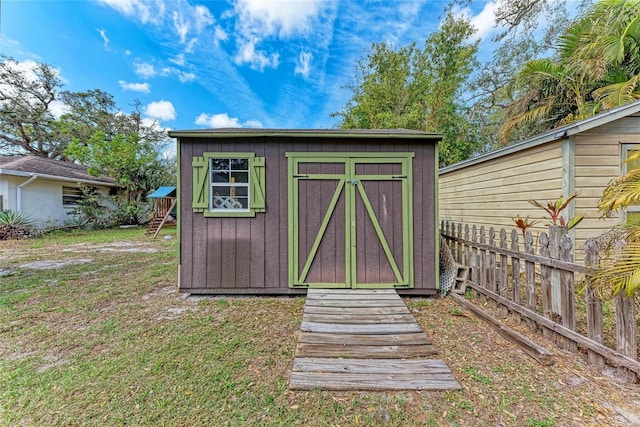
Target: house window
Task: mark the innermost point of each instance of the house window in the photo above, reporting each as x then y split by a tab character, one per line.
632	214
71	196
228	184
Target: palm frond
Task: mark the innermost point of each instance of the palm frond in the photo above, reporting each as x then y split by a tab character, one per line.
621	192
620	273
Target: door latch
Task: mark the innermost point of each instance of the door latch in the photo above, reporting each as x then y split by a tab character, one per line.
354	182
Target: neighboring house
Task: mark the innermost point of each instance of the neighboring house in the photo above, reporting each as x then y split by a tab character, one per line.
581	157
44	189
279	211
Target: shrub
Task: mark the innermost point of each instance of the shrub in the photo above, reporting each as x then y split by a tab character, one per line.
15	225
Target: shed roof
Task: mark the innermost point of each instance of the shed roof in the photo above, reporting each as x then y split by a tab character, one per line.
45	167
308	133
163	192
552	135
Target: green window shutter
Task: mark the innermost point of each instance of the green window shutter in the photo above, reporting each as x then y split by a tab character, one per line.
200	184
257	172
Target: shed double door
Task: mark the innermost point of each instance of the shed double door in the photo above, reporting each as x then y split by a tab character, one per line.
350	220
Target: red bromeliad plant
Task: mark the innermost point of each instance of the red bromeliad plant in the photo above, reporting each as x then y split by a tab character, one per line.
523	223
554	209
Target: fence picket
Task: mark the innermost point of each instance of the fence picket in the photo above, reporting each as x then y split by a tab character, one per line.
530	278
593	305
567	300
515	274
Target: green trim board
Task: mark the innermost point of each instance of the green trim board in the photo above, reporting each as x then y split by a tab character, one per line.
351	184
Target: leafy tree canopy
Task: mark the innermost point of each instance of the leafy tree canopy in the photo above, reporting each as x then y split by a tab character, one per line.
417	88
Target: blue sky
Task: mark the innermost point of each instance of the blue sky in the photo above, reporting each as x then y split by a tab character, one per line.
209	64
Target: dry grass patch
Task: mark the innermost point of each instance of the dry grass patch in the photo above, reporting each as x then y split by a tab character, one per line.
112	342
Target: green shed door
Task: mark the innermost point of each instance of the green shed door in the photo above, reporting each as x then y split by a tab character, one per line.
350	220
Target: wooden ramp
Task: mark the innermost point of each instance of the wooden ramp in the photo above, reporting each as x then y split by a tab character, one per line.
356	339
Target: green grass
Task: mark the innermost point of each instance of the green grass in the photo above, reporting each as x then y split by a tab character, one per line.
112	343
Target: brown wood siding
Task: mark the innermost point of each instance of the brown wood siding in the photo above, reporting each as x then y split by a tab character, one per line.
250	255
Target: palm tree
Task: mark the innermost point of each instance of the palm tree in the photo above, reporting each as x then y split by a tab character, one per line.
619	271
596	67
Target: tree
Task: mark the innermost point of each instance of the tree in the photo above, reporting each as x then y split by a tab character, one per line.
619	270
596	67
27	96
418	89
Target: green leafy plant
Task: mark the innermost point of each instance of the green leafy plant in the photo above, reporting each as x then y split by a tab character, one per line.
523	223
9	217
555	209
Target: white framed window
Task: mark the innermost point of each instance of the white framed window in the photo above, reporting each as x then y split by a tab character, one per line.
631	215
71	196
230	187
228	184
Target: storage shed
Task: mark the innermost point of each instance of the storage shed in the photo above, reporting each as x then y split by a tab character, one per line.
265	211
491	189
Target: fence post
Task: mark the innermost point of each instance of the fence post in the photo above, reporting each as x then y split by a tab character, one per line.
568	302
503	283
545	283
555	234
492	283
483	259
467	254
593	303
515	274
459	245
530	275
626	332
474	256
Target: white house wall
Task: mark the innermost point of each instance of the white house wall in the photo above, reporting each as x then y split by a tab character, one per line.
41	199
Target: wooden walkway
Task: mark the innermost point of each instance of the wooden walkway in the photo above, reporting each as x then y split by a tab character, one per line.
364	340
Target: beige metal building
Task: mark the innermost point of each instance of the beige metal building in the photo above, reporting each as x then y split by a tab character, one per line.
581	157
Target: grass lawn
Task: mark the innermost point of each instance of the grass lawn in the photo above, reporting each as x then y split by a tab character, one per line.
94	332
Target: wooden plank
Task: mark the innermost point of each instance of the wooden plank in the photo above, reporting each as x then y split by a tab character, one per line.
349	292
612	355
370	366
355	310
371	382
363	339
354	297
358	303
539	353
385	328
358	318
364	351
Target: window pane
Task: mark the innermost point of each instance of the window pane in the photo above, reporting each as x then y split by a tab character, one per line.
220	177
240	164
240	191
219	164
243	201
242	177
221	190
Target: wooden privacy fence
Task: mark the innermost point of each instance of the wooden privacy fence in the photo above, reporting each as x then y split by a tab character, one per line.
537	282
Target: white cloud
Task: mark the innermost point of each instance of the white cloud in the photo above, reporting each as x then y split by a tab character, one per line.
58	108
484	22
105	39
183	76
258	59
224	121
138	9
144	69
135	87
178	60
219	35
285	18
303	65
180	26
259	19
162	110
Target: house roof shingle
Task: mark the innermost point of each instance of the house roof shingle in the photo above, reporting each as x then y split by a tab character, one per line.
50	168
